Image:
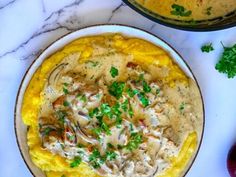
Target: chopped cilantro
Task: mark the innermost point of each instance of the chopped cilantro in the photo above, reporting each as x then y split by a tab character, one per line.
158	91
75	163
95	159
180	11
131	112
116	89
131	92
47	130
114	72
131	127
109	145
66	103
208	10
134	142
65	91
93	112
181	107
143	99
124	105
61	116
227	62
207	48
106	109
146	87
111	155
92	63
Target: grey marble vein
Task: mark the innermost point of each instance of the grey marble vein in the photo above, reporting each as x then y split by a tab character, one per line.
115	11
7	4
51	24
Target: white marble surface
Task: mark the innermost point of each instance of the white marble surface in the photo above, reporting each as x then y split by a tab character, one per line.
28	26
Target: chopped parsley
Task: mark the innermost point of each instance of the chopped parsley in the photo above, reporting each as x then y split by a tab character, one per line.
92	63
207	48
114	72
181	107
124	105
66	103
143	99
134	142
208	10
131	92
61	116
65	91
227	62
76	162
95	159
47	130
146	87
109	145
131	112
116	89
110	155
180	11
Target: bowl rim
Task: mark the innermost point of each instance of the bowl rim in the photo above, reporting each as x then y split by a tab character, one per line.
119	25
179	27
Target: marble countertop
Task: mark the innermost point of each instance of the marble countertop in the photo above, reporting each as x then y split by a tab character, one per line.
28	26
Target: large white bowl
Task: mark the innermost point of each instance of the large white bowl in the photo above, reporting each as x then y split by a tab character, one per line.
21	129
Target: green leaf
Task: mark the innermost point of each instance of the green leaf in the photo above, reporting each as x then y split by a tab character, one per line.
66	103
207	48
116	89
110	155
180	11
146	87
65	91
76	162
227	62
114	72
134	142
143	99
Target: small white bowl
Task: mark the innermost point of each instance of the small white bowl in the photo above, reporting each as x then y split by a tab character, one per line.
21	128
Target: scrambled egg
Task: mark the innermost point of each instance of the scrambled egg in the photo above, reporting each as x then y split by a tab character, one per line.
144	53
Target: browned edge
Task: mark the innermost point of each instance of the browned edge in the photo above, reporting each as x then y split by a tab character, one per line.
113	24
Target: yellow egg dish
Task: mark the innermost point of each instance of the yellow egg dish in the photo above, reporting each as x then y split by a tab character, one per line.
112	105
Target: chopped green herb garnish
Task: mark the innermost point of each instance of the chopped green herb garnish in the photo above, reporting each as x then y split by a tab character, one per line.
134	142
124	105
114	72
146	87
111	155
65	91
106	109
131	112
207	48
158	91
47	130
71	137
208	10
66	103
143	99
76	162
116	89
80	145
227	62
61	116
131	127
181	107
95	159
92	63
180	11
131	92
93	112
109	145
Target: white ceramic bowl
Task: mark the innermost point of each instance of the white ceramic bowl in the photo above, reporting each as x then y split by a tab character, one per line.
21	129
